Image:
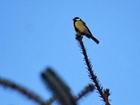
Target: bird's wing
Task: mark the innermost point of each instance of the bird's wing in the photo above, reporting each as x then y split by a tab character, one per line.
83	23
89	33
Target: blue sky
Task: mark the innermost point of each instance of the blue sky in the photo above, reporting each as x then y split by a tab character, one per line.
38	34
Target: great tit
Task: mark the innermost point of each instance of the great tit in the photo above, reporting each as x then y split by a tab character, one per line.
80	27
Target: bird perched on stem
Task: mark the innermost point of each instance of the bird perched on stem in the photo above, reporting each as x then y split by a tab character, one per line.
80	27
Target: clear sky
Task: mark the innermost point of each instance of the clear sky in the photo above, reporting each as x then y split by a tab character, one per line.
35	34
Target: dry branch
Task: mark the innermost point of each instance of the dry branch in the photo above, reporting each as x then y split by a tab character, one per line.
22	90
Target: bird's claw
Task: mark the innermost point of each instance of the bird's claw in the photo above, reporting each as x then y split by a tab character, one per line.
79	36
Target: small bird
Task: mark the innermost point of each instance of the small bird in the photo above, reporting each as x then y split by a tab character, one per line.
80	27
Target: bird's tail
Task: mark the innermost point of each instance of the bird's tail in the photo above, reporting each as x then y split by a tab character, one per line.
93	38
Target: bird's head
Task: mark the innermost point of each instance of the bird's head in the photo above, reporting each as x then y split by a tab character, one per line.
76	18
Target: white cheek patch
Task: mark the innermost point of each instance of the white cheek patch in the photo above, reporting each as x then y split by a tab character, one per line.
78	19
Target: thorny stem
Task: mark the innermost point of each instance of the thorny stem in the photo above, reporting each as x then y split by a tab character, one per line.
85	91
91	73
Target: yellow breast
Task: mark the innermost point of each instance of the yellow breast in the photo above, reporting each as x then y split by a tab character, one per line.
80	26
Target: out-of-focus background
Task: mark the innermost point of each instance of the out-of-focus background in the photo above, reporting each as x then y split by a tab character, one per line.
38	34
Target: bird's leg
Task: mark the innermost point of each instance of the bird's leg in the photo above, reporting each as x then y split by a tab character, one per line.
79	36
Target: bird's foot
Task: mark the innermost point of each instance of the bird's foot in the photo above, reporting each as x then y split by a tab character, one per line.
79	36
